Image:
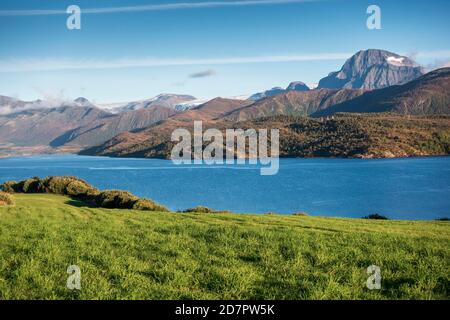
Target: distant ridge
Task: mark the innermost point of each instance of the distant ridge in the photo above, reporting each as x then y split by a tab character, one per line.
294	103
167	100
101	130
41	126
293	86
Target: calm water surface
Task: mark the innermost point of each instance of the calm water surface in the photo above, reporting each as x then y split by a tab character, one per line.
416	188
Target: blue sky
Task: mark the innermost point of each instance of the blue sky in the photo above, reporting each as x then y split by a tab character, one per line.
239	49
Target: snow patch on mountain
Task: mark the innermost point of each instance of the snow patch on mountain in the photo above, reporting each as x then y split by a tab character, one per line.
396	61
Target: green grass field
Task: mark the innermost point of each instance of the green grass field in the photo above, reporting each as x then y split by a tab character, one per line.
126	254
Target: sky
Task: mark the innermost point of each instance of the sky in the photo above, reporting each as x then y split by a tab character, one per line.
136	49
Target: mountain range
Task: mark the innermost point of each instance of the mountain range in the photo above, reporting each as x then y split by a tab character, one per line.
371	81
173	101
381	135
299	103
429	94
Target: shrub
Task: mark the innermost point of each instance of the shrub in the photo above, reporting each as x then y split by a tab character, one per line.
77	188
32	185
199	209
9	186
375	216
115	199
300	214
13	186
6	199
148	205
81	189
58	185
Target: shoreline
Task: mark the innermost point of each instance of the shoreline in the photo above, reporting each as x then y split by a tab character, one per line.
34	184
56	154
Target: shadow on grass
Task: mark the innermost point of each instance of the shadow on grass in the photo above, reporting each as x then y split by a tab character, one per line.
80	204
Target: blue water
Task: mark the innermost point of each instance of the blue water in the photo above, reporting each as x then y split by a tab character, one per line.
416	188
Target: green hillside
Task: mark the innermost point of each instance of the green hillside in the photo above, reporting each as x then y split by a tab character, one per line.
126	254
378	135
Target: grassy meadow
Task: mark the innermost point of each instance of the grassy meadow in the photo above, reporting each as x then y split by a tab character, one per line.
128	254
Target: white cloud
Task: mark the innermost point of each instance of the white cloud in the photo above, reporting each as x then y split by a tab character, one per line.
54	64
156	7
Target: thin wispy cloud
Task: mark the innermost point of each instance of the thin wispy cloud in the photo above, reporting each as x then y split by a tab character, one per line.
441	54
203	74
55	64
49	64
156	7
441	59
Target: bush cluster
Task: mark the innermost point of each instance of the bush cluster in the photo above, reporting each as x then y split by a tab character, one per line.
300	214
375	216
148	205
200	209
6	199
72	186
80	189
116	199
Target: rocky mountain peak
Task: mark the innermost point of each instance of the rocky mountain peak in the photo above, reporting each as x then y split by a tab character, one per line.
81	101
373	69
297	86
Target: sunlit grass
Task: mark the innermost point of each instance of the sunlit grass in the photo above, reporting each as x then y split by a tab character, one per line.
125	254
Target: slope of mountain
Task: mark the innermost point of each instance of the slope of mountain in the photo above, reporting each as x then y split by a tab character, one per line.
183	106
8	104
83	102
427	95
293	86
213	109
267	93
293	103
129	143
41	126
297	86
373	69
163	100
347	135
101	130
